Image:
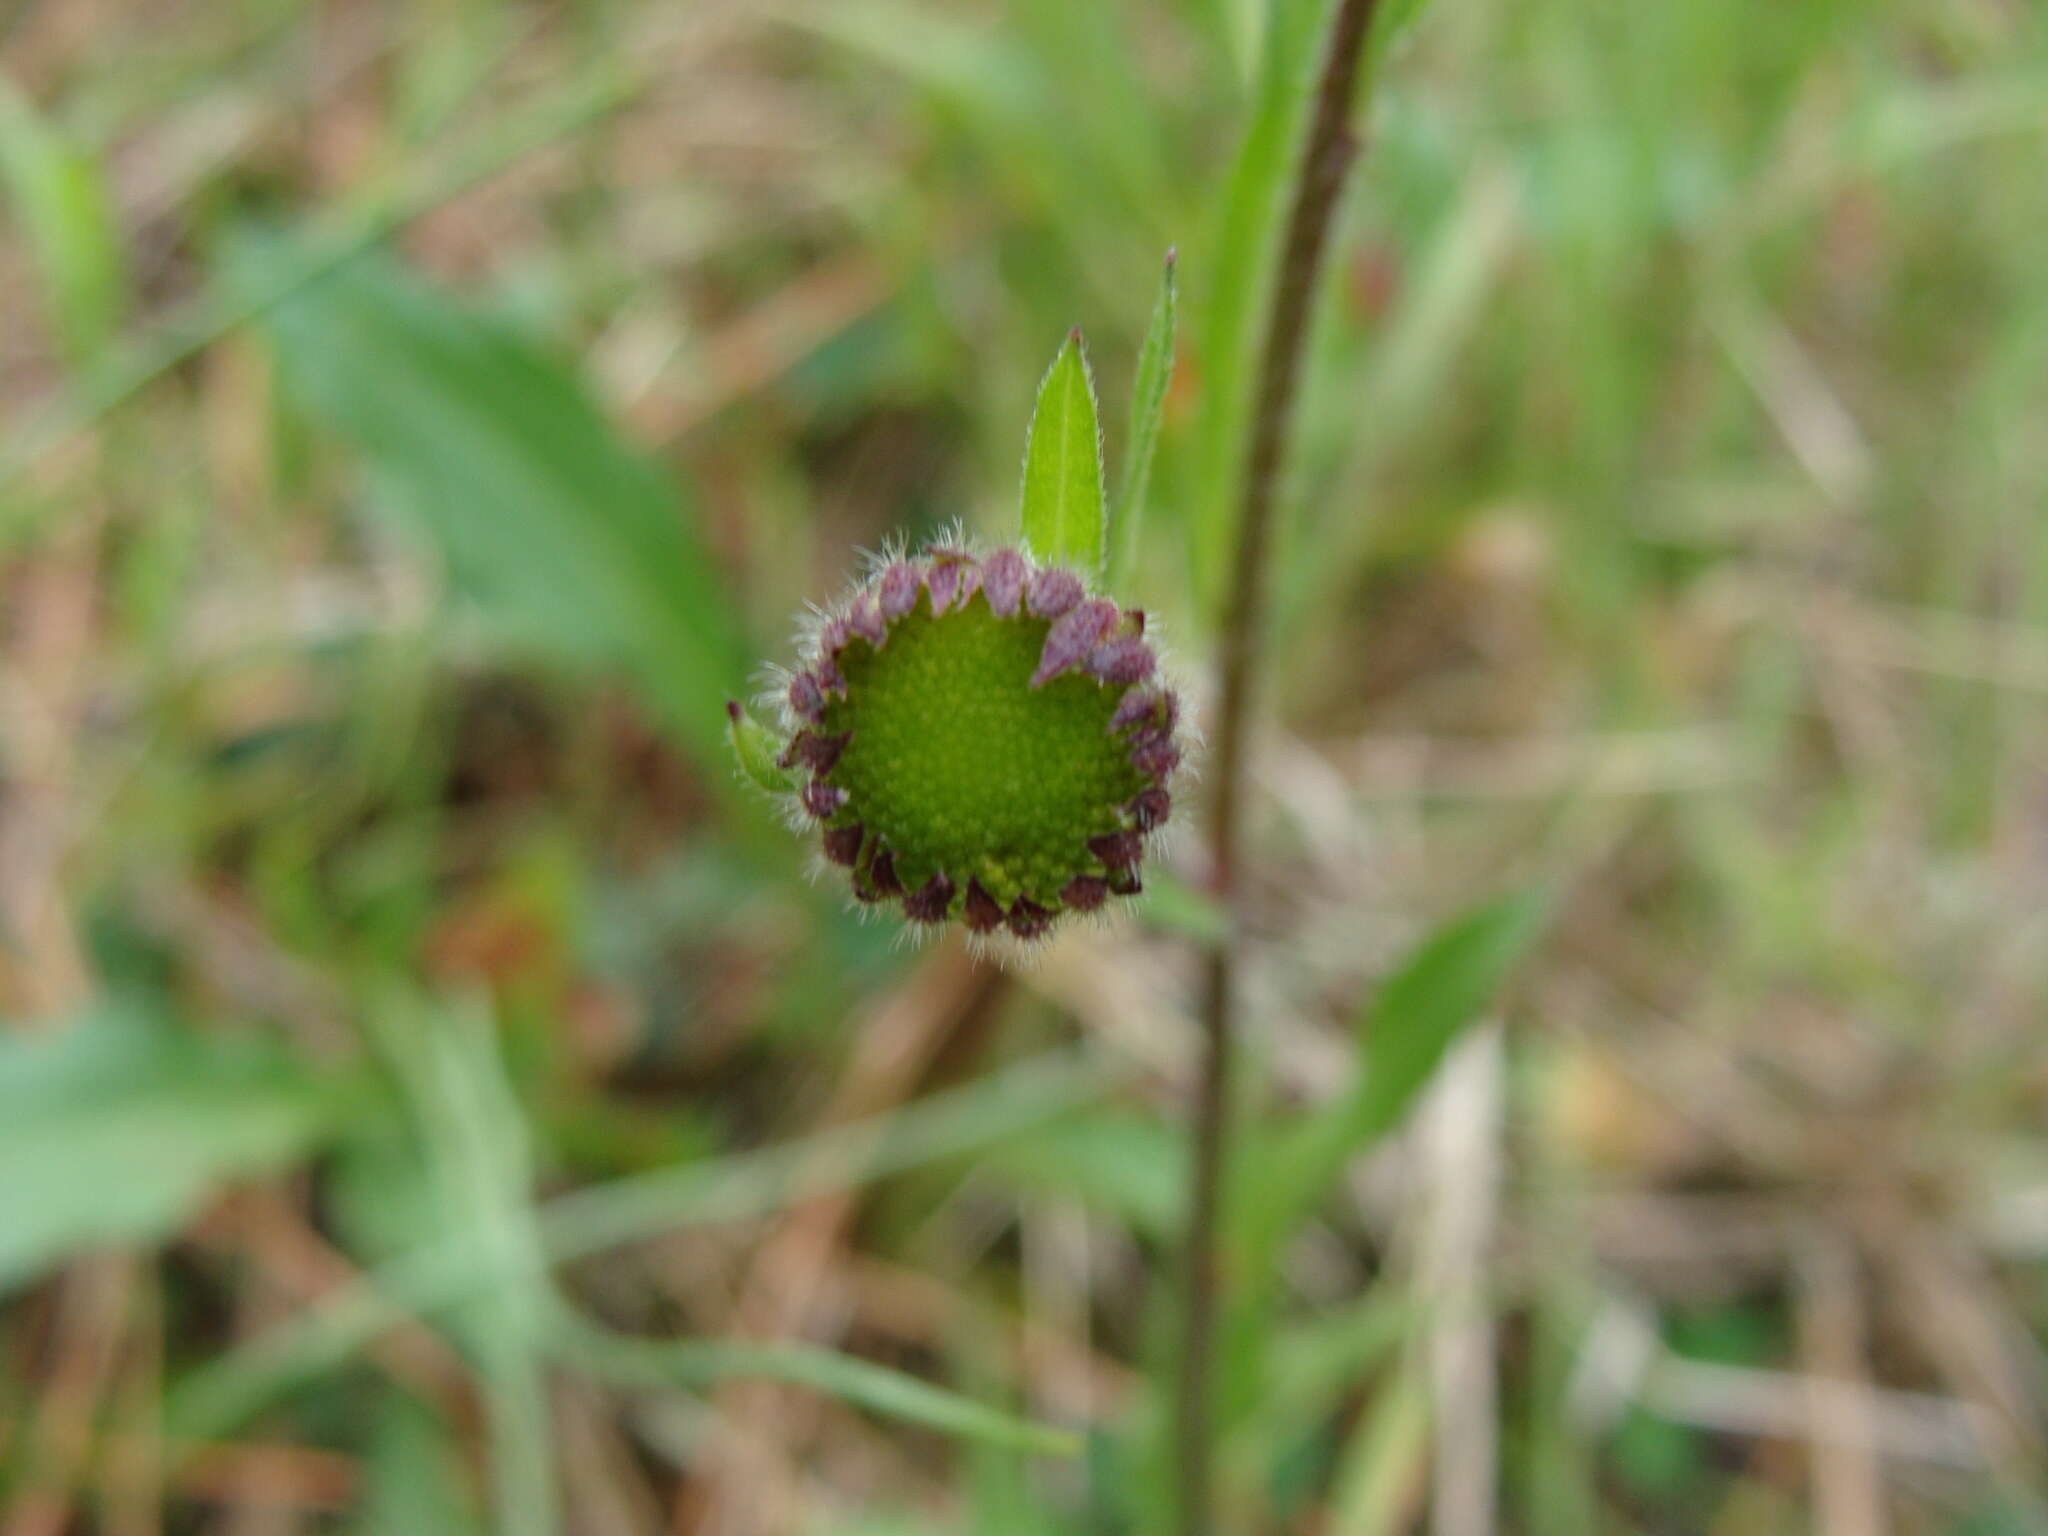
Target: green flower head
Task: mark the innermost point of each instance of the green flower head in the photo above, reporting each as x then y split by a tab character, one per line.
981	738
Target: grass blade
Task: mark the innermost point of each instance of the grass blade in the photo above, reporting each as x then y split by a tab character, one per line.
1148	402
1238	268
472	1130
1441	989
219	1397
691	1364
1422	1009
474	1125
1064	519
60	201
1413	1020
412	1475
1384	1459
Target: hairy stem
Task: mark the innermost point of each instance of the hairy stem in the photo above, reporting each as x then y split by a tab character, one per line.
1328	152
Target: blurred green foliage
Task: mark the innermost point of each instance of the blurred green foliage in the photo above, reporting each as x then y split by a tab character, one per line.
418	420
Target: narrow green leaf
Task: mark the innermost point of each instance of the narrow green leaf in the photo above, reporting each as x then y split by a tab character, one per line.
59	196
495	455
754	747
412	1477
1131	1167
1378	1468
1416	1016
470	1120
117	1128
693	1364
1148	402
1423	1008
1412	1022
1064	520
1238	272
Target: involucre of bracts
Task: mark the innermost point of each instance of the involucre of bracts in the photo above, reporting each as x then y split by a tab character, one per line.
981	739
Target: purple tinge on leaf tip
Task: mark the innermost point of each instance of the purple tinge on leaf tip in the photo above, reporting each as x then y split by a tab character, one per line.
1136	707
864	618
1118	850
1124	659
970	583
1072	636
882	874
1002	580
823	751
814	751
1149	808
928	903
806	698
1084	893
822	799
1028	920
951	579
1155	756
980	911
1053	591
898	590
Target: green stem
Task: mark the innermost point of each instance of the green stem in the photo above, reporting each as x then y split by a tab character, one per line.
1328	152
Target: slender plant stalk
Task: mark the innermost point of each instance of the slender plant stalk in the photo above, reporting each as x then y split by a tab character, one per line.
1328	151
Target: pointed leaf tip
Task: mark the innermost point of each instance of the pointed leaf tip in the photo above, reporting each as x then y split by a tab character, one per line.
1442	987
1447	982
755	748
1148	405
1064	510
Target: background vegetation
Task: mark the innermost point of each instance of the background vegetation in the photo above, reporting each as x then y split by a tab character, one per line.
419	418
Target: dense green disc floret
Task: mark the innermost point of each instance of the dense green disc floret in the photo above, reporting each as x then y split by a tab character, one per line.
961	766
983	740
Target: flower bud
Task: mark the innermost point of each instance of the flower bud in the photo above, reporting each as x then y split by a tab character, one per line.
982	739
